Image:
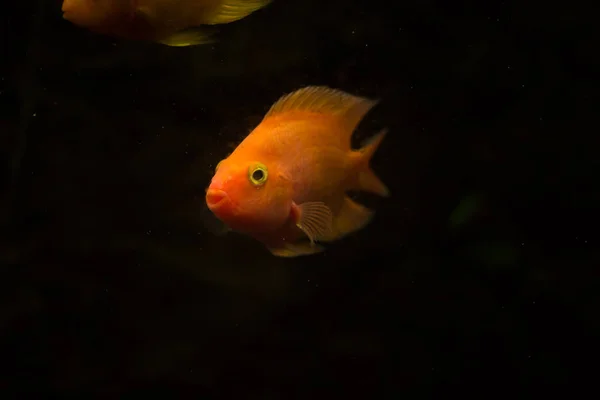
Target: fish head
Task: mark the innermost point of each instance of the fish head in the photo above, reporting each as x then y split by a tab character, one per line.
90	13
250	196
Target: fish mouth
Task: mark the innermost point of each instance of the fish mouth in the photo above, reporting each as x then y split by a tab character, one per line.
67	14
66	7
216	198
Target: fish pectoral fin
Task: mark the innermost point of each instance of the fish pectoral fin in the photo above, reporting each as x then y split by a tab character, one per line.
314	218
296	249
187	37
351	218
233	10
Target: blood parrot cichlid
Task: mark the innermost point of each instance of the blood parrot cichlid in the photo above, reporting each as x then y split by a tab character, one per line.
170	22
286	183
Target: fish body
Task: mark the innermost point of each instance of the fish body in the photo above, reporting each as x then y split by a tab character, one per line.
170	22
286	182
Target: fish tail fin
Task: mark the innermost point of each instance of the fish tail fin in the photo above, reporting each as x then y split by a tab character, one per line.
367	180
234	10
188	37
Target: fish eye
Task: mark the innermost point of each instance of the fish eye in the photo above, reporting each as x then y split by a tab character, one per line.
258	174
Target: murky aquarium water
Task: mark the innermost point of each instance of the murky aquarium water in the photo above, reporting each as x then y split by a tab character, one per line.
285	199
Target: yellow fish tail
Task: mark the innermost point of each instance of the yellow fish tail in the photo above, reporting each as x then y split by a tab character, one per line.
188	37
233	10
367	180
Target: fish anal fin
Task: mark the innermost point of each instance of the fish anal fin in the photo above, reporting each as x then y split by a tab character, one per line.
234	10
350	218
290	250
187	37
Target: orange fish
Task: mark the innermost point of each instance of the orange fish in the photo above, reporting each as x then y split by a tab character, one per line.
170	22
286	183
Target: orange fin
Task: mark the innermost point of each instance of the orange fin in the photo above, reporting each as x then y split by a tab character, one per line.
234	10
323	100
187	37
351	218
367	180
296	249
314	218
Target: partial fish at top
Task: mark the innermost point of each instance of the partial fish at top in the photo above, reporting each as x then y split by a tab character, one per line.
170	22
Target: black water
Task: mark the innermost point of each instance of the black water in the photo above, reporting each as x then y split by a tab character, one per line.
481	269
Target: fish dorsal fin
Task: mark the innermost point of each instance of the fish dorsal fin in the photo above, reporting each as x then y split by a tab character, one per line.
324	100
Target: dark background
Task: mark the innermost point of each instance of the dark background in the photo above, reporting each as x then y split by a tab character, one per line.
482	268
